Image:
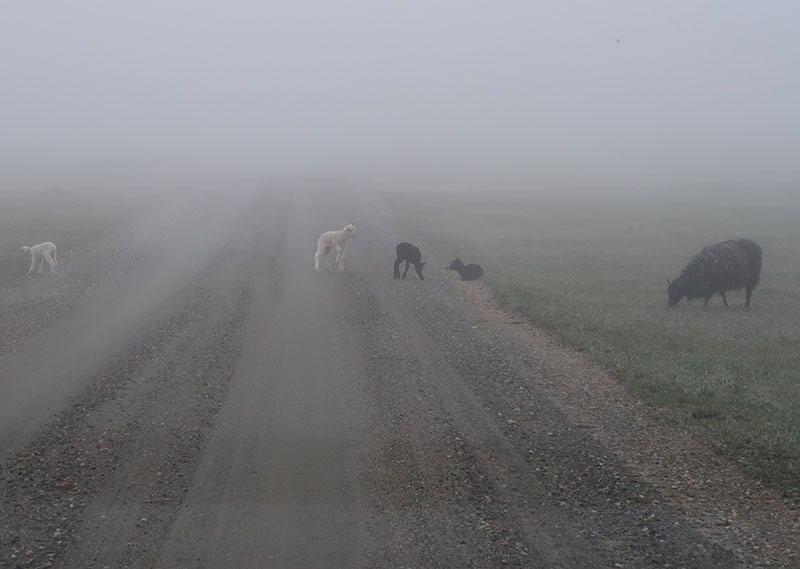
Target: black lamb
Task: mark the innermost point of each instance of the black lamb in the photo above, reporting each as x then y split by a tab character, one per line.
469	272
411	255
725	266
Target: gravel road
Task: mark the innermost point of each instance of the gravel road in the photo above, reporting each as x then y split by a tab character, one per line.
189	393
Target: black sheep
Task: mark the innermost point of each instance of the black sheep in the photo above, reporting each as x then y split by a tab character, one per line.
469	272
729	265
411	255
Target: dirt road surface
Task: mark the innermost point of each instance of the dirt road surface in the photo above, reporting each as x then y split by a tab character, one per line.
190	393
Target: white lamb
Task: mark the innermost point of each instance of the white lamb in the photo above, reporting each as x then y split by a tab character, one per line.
40	253
328	241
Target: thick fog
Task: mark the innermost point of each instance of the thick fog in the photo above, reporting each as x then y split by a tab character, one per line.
513	94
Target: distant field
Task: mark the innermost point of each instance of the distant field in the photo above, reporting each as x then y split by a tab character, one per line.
594	272
70	218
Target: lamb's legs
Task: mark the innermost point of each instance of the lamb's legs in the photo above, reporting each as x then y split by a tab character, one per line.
320	257
340	257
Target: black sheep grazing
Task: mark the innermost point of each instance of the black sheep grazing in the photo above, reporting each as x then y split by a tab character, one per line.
411	255
466	272
729	265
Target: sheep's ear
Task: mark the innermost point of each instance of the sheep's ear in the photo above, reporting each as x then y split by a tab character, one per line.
669	283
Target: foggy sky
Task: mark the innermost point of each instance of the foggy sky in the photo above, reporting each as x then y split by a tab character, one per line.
462	93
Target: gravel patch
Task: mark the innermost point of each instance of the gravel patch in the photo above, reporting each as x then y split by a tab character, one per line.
132	438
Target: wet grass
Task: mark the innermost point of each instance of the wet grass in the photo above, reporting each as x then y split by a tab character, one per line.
594	272
72	219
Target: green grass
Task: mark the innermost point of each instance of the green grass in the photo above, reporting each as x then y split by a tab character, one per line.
72	219
595	274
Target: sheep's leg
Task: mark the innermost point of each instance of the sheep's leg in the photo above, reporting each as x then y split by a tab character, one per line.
51	263
39	263
406	271
340	257
748	290
33	263
397	263
724	300
320	257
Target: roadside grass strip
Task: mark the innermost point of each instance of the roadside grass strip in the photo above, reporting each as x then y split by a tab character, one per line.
594	272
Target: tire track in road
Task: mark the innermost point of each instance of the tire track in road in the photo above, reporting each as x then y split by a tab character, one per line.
443	481
468	464
99	484
275	487
57	362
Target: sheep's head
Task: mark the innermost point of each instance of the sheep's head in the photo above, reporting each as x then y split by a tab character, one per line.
455	264
25	249
350	230
676	290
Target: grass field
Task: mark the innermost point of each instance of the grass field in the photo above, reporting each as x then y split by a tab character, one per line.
594	272
70	218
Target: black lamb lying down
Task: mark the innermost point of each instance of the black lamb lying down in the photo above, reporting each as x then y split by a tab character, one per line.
411	255
729	265
466	272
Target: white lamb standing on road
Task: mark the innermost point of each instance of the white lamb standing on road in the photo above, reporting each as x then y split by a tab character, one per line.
328	241
40	253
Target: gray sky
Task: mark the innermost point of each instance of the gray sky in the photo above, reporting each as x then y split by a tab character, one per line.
419	92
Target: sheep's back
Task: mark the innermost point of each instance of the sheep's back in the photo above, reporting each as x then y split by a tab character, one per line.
728	265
